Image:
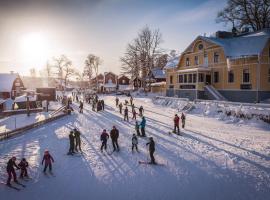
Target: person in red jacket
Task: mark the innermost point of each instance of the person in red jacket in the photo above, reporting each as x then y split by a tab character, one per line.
48	161
23	166
176	124
11	171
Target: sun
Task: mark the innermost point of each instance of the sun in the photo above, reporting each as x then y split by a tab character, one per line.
34	49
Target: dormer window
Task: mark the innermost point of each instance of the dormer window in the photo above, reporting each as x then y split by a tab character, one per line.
187	62
216	57
196	60
200	46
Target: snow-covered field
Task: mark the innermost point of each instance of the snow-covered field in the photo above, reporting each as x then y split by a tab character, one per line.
214	159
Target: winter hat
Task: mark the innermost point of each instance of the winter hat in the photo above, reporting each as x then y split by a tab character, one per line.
13	158
150	138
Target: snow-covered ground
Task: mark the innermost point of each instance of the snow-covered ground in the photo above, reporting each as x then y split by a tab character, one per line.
214	159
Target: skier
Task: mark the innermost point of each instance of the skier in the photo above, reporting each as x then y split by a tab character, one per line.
104	137
81	107
116	101
120	107
11	171
126	114
131	100
141	110
23	166
183	119
114	136
134	114
137	128
134	142
142	124
151	144
71	143
77	134
48	161
126	102
176	124
133	107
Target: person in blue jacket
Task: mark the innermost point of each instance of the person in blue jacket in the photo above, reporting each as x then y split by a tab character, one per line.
143	123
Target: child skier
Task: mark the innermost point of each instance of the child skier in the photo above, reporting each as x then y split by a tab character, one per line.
23	166
137	128
48	159
134	142
134	114
11	171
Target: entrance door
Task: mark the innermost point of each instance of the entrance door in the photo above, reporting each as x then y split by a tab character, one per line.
208	79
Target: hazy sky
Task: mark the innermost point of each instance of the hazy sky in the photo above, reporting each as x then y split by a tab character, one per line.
32	31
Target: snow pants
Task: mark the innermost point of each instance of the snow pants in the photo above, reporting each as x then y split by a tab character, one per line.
46	165
115	145
23	172
152	156
134	146
78	144
103	145
143	131
126	117
183	123
138	132
11	174
176	126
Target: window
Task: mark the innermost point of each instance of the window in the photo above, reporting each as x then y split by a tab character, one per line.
190	78
230	77
171	79
246	78
196	60
194	78
216	57
187	62
216	77
180	78
201	77
200	47
185	78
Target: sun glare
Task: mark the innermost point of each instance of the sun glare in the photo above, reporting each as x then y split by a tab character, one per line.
35	49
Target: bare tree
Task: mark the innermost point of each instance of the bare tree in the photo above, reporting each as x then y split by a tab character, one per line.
48	71
33	73
246	13
142	53
92	64
88	70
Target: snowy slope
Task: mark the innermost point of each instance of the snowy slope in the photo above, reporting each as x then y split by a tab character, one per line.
212	160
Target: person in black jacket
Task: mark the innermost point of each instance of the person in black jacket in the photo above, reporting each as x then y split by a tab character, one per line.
23	166
11	171
114	136
126	114
104	137
102	104
77	134
71	143
151	144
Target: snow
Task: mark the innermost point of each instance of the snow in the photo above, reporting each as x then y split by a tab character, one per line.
212	160
158	73
159	83
23	98
172	62
6	81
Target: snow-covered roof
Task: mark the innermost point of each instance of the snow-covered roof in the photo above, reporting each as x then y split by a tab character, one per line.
158	73
172	62
109	85
6	81
199	69
124	87
246	45
23	98
158	83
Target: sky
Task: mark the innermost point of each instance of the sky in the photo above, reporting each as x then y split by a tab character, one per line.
34	31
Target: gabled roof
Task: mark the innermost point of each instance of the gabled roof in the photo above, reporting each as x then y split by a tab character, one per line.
251	44
158	73
172	62
6	81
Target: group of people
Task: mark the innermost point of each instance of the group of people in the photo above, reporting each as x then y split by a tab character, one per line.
177	122
74	141
23	165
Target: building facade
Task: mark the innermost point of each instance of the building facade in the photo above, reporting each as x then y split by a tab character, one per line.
234	68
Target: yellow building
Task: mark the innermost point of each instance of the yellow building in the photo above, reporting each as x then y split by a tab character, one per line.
225	67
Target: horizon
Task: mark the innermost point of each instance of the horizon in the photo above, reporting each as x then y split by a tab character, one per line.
35	31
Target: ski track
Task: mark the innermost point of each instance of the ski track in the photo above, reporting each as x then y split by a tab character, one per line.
212	160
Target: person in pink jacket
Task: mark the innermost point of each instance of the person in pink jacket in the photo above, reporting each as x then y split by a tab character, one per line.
48	159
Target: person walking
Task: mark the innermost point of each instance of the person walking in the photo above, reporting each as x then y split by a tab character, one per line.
126	114
104	137
116	101
134	114
11	171
137	128
102	104
81	107
143	124
48	159
151	144
141	110
23	166
176	124
120	107
131	100
71	137
77	134
134	142
114	136
183	119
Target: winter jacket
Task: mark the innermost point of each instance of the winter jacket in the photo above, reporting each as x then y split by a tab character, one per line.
10	165
151	145
71	138
77	135
134	140
143	123
48	159
114	134
23	164
176	120
183	117
104	136
126	111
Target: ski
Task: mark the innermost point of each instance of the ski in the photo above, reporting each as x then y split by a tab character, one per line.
11	186
18	183
149	163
